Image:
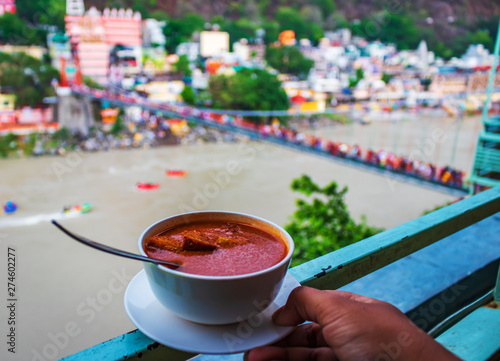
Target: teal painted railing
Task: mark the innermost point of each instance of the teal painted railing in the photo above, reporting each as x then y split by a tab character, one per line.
469	326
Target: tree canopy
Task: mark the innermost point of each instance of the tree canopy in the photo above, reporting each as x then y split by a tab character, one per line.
248	89
288	60
182	65
290	19
181	30
15	31
323	224
27	77
48	12
188	95
398	29
308	19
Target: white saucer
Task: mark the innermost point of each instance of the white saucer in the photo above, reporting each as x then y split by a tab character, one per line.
161	325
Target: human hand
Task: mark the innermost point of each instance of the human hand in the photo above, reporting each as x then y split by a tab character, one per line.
347	327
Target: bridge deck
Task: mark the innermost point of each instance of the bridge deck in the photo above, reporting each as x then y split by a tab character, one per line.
253	134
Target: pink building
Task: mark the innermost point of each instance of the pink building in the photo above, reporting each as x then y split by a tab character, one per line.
7	6
95	34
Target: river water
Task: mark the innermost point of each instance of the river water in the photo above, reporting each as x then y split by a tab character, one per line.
70	297
442	141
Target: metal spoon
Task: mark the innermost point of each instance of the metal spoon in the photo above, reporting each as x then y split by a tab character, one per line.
115	251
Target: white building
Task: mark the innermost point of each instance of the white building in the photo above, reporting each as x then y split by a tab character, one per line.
191	50
152	33
476	55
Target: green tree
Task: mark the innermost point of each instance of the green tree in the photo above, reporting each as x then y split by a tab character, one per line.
272	29
240	29
91	83
48	12
138	5
188	95
290	19
178	31
481	37
353	82
29	143
26	77
386	78
491	26
288	60
398	29
248	89
324	224
118	126
160	15
183	65
8	144
327	7
15	31
62	134
442	51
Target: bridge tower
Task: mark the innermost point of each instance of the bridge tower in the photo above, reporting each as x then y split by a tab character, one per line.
486	168
75	7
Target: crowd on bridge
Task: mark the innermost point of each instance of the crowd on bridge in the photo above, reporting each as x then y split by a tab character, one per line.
386	160
417	168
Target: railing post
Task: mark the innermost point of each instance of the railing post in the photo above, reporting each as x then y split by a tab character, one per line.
491	81
496	291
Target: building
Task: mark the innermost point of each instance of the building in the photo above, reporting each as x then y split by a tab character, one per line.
60	53
7	6
7	108
152	33
33	51
442	84
94	35
191	50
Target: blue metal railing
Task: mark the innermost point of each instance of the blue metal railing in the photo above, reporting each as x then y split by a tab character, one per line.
352	263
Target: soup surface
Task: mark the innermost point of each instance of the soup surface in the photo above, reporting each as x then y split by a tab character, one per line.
217	248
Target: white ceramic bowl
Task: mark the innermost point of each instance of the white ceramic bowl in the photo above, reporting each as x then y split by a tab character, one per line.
216	299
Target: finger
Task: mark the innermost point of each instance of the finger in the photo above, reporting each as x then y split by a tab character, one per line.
308	335
270	353
322	307
307	304
355	297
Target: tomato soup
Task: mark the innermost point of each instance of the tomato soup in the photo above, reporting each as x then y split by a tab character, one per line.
217	248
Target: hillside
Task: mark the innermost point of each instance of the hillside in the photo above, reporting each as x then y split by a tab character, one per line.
448	26
469	10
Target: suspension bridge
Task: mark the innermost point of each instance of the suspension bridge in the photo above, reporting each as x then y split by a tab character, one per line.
232	121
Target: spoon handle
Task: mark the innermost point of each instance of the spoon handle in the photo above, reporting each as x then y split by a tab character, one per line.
112	250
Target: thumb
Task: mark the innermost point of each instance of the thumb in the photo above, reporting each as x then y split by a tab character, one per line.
303	304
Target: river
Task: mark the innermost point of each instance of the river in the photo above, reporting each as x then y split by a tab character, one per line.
70	297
